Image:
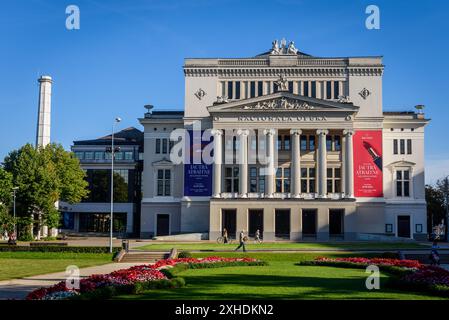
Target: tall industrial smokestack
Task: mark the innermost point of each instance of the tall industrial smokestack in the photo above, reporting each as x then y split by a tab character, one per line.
44	113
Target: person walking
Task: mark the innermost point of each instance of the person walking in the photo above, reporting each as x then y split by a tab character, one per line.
434	255
242	240
257	236
225	236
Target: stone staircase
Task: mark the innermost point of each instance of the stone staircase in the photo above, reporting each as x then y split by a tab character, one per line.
143	256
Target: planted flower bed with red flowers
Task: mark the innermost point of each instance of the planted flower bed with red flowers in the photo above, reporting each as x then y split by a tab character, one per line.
409	274
136	276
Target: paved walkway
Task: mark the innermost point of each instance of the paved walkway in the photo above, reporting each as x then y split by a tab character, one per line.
19	288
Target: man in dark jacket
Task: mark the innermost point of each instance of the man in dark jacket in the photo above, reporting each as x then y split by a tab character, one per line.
242	239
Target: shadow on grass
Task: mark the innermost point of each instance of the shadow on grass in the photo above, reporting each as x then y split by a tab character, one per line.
244	286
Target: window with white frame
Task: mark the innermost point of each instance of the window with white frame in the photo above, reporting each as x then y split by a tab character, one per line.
402	146
283	180
163	145
333	180
163	182
231	179
403	183
308	180
256	180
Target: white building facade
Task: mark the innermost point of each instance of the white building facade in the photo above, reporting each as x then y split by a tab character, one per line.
302	150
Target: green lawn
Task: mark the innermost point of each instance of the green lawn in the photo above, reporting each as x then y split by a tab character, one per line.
281	279
285	246
23	264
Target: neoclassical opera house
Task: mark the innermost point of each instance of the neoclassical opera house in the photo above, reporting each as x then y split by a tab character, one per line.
339	167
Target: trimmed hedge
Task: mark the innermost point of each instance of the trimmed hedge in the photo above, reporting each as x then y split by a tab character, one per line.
43	248
184	254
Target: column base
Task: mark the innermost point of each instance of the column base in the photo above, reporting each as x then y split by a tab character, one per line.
321	196
296	196
243	195
216	195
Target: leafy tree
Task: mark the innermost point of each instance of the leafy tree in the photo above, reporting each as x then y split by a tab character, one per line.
6	220
45	175
435	206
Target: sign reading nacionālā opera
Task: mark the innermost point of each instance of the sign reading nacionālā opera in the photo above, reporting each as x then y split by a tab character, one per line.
282	118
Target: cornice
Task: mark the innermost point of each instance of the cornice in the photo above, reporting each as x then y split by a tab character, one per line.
289	71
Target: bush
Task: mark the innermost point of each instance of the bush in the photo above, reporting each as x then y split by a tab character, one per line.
26	236
44	248
184	254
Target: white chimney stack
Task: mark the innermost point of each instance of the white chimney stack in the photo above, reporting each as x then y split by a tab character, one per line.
44	113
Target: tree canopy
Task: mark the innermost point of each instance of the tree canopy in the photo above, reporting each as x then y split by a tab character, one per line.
45	175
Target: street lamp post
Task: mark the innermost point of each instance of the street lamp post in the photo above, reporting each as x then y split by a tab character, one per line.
117	120
14	190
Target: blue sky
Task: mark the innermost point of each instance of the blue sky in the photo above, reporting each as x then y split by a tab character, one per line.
130	53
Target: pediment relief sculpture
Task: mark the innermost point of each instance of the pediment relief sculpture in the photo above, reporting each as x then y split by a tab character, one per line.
279	104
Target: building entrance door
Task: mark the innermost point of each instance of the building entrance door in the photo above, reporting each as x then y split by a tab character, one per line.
404	226
255	220
336	217
282	223
309	222
163	225
229	221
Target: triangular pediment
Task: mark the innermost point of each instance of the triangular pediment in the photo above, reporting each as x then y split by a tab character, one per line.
162	163
282	101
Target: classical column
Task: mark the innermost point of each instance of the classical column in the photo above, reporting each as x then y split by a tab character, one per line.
218	160
269	176
296	163
349	164
322	163
243	161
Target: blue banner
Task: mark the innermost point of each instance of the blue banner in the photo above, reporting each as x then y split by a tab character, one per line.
197	176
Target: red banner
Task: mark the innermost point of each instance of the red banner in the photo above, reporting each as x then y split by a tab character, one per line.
368	163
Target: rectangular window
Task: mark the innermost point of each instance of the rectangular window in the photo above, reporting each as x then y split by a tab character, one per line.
395	146
89	155
306	88
164	146
308	180
312	143
118	155
158	146
336	89
128	155
303	143
230	91
98	155
237	89
402	146
333	180
290	86
329	143
231	179
283	142
252	89
313	89
409	146
328	90
283	180
260	88
163	182
337	143
171	143
257	180
79	155
403	183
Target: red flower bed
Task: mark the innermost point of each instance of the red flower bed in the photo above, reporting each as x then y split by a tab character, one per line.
429	275
413	264
141	273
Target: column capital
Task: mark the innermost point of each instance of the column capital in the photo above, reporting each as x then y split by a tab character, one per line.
348	132
242	132
322	132
295	131
216	132
269	132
